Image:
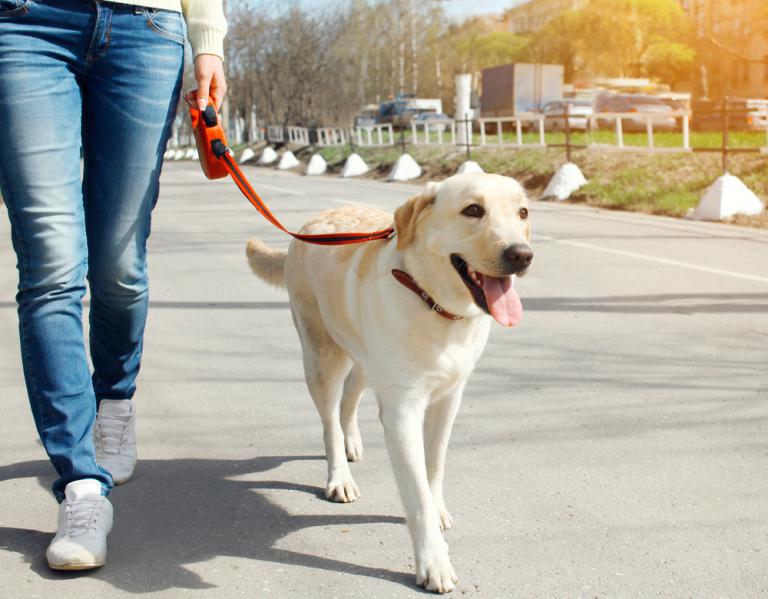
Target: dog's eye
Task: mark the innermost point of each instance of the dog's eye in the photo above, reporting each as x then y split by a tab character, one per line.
523	213
474	211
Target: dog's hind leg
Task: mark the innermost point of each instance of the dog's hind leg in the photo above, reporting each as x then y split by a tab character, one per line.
325	366
354	386
438	423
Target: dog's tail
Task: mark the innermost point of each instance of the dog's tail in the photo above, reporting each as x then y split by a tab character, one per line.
266	262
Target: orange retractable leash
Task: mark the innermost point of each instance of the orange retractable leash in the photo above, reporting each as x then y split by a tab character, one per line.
217	162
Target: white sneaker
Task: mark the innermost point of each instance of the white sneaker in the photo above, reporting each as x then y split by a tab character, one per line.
85	519
115	437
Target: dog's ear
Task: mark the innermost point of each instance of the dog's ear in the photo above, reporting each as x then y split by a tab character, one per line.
407	215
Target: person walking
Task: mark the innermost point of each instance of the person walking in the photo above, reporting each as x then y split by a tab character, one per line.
100	80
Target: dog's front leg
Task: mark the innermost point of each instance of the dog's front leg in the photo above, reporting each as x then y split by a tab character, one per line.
437	431
403	418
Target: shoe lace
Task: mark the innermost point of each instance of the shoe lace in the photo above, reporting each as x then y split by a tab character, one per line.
81	515
112	433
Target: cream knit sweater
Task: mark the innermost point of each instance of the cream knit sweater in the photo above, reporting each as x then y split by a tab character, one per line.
206	24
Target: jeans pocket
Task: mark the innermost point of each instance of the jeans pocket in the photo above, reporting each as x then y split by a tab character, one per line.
12	8
166	23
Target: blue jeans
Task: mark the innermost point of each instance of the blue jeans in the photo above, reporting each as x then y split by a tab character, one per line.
102	79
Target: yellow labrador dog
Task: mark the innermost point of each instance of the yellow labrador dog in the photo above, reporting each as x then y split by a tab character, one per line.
408	317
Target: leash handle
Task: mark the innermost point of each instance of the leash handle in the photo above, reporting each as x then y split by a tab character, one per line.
217	162
209	135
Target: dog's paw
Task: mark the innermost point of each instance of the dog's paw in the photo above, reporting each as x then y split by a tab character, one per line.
446	520
435	573
342	490
354	446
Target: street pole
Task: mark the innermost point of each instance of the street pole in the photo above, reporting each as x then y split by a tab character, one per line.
468	125
725	135
568	131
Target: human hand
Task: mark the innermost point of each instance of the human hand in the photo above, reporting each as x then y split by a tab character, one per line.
211	83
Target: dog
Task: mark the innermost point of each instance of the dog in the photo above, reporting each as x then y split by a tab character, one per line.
408	317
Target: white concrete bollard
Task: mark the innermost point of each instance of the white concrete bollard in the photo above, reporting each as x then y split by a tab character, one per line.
469	166
354	166
189	154
195	154
727	197
405	169
179	154
247	155
317	165
268	156
567	179
169	154
287	161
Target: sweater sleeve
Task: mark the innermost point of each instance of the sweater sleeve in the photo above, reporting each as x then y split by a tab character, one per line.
206	26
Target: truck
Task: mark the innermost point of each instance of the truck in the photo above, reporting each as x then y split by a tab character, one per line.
405	107
511	89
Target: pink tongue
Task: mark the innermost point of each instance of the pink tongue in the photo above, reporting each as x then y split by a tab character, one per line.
503	301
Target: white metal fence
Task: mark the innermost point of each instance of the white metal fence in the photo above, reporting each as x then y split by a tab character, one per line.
374	136
331	136
438	133
524	130
298	135
497	138
275	134
645	120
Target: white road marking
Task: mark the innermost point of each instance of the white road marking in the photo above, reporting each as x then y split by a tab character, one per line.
703	228
258	185
666	261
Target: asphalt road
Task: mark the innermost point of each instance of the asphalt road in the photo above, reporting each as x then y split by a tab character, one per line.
615	444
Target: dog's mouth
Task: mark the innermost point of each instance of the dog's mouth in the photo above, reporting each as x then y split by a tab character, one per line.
495	295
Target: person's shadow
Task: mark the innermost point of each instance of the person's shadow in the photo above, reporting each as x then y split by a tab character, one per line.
187	511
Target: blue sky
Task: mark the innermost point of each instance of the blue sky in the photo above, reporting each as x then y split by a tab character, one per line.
455	8
464	8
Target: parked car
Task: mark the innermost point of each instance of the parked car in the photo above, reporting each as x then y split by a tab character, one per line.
757	117
437	121
663	117
579	112
368	116
365	121
707	115
405	107
757	120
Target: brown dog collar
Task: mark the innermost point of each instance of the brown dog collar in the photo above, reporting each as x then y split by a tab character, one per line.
407	281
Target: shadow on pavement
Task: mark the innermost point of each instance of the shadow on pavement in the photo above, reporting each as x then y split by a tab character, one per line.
681	303
186	511
193	305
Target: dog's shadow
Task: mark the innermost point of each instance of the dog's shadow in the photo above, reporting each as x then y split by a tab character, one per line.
186	511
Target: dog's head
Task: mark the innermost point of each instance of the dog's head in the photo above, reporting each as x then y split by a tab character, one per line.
465	240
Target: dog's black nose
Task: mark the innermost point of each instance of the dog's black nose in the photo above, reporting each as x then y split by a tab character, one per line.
518	257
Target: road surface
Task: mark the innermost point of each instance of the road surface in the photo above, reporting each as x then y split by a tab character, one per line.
615	444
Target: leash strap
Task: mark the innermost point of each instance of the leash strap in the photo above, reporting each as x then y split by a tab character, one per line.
344	238
217	162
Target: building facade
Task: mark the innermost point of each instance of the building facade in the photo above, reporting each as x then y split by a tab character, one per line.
732	46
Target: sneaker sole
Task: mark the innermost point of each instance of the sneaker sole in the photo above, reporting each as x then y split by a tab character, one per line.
122	481
75	567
